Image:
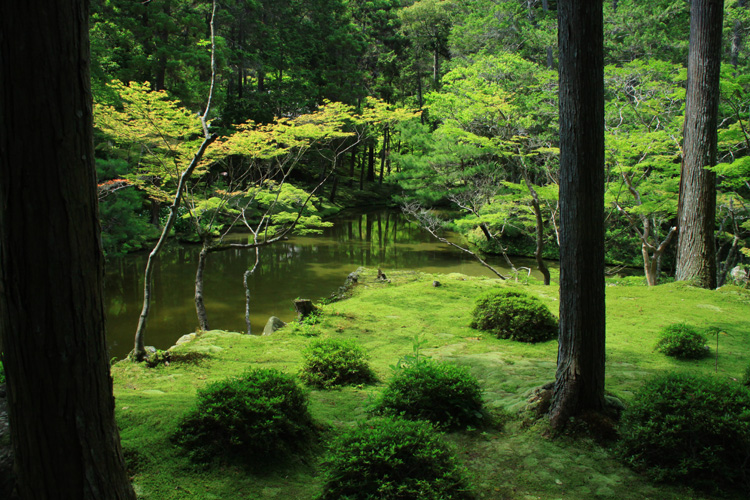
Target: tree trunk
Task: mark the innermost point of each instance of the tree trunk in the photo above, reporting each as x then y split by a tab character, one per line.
736	37
539	230
579	382
200	307
696	249
371	161
52	318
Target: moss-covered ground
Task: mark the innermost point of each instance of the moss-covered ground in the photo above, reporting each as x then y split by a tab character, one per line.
515	462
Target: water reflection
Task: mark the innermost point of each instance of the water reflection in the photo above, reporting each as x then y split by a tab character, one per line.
303	266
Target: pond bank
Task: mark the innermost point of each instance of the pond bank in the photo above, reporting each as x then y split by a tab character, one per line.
385	318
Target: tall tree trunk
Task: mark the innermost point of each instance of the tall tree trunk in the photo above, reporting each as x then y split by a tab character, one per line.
736	37
200	307
579	382
550	56
371	161
52	318
696	248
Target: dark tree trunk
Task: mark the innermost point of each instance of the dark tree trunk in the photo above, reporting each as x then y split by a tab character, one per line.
61	408
371	161
353	161
383	154
696	249
579	382
200	307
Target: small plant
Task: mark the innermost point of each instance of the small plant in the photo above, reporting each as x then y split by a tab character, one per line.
391	458
157	358
689	428
307	326
2	373
746	377
261	414
515	315
330	363
682	341
443	393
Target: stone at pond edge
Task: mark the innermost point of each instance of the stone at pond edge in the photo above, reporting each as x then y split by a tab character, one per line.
184	339
272	325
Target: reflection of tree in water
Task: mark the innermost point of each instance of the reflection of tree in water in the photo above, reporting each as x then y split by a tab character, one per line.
304	266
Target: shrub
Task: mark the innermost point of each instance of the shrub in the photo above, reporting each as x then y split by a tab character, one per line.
682	341
689	428
261	414
391	458
2	373
746	377
443	393
515	315
332	363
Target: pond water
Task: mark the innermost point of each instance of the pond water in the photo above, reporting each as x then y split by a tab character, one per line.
311	267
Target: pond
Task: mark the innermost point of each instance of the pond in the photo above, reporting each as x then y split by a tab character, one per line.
311	267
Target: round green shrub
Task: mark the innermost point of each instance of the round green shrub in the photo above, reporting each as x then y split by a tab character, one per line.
443	393
515	315
330	363
689	428
682	341
260	414
392	458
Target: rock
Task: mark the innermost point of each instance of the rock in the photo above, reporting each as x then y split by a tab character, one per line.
304	308
739	275
272	325
436	283
184	339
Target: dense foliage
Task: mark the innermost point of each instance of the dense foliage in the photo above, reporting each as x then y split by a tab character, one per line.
515	315
682	341
261	414
391	458
330	363
443	393
692	429
482	74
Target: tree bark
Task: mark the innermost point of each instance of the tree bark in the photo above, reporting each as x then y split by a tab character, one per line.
52	319
539	230
579	382
696	248
736	37
200	307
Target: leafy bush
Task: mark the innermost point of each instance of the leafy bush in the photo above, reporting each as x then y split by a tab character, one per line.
513	314
307	326
443	393
746	377
332	363
391	458
689	428
682	341
260	414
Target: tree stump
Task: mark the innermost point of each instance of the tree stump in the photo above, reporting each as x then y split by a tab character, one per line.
304	308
